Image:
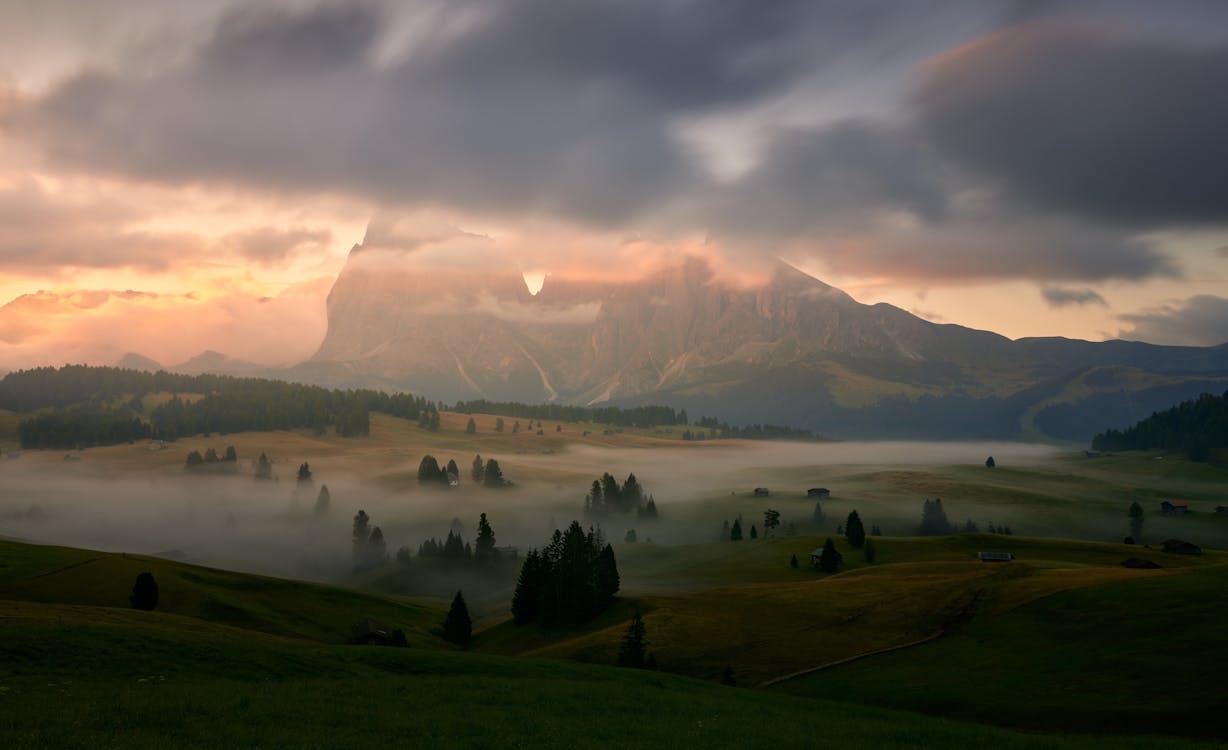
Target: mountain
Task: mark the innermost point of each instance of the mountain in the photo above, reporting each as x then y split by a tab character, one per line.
792	351
216	363
134	361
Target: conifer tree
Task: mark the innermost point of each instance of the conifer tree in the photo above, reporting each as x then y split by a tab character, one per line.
484	546
457	627
771	519
829	558
361	534
735	533
264	467
754	534
934	519
231	454
304	472
498	424
526	601
477	470
634	643
377	550
453	469
492	475
607	579
854	531
323	500
471	427
144	592
793	561
429	471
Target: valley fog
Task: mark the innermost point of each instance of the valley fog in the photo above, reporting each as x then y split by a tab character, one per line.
273	527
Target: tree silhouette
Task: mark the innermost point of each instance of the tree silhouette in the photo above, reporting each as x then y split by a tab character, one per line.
829	558
735	532
144	592
484	546
361	534
771	519
264	467
429	471
854	531
304	472
934	519
323	500
990	463
457	627
492	476
1136	520
634	643
477	470
471	427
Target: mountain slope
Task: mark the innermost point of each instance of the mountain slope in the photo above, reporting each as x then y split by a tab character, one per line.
793	350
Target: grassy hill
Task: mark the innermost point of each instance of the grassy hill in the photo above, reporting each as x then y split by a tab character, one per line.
76	673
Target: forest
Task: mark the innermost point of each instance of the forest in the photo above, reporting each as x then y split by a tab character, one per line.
1197	427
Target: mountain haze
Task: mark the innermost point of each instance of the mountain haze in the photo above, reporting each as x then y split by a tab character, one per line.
794	350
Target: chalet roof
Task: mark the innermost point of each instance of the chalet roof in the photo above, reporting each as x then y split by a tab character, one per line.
1178	503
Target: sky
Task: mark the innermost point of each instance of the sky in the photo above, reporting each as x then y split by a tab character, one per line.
180	176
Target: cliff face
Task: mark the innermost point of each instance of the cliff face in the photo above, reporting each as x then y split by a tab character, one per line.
793	351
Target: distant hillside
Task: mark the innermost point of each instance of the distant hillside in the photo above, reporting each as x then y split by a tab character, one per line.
81	406
1198	427
794	352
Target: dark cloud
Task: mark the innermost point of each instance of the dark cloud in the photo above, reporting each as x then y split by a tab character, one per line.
1061	297
838	176
1072	119
1198	321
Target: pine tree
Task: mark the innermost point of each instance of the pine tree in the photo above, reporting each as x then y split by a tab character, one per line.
471	427
632	493
634	643
498	424
377	550
854	532
526	601
452	471
934	519
594	500
484	546
144	592
1136	520
990	463
362	533
735	533
793	561
829	558
304	472
323	500
607	580
457	627
264	467
753	533
231	454
477	470
771	519
492	475
429	471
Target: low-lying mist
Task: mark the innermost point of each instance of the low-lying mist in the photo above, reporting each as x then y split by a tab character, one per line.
273	527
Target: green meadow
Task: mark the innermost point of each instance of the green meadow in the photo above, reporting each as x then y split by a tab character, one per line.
923	647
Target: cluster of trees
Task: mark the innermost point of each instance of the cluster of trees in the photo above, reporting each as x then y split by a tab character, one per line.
428	419
572	579
488	474
606	496
103	406
736	532
632	416
369	547
454	547
1196	427
210	462
934	519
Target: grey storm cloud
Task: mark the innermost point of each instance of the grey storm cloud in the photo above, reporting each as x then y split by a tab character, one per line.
573	110
1198	321
1079	120
1062	297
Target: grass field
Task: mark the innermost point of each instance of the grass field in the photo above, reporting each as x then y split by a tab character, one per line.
1067	638
76	675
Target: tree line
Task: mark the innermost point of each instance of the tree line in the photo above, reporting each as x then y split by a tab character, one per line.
631	416
606	496
90	406
1196	427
